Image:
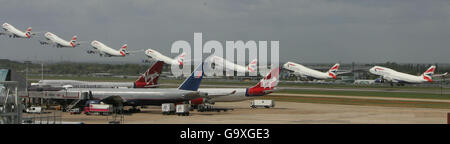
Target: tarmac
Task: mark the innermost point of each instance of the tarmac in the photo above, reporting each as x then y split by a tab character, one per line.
282	113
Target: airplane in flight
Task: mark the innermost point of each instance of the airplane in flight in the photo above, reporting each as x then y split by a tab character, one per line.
149	79
400	78
13	32
188	90
221	62
308	73
160	57
106	51
55	41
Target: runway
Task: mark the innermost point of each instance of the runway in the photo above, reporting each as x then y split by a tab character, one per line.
283	113
362	97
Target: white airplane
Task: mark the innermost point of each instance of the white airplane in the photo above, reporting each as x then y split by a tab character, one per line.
393	76
104	50
311	73
265	86
219	61
54	40
160	57
11	31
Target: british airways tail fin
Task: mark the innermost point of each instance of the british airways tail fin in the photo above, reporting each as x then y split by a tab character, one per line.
180	58
193	82
427	75
252	65
333	71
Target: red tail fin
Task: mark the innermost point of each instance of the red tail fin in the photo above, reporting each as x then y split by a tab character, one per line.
73	42
149	79
266	85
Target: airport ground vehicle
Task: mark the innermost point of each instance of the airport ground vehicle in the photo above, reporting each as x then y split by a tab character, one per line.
262	103
206	108
168	108
183	109
34	110
75	111
102	109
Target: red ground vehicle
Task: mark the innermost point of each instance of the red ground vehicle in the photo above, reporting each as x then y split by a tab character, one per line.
102	109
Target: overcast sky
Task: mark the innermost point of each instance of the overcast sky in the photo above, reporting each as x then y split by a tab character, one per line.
309	31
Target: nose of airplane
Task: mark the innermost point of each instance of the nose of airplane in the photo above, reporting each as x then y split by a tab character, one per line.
286	65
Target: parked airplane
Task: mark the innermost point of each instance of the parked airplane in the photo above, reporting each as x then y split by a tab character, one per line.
308	73
265	86
54	40
104	50
393	76
221	62
11	31
188	90
160	57
149	79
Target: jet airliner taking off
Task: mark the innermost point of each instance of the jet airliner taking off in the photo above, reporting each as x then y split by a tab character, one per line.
221	62
393	76
54	40
12	32
106	51
160	57
311	73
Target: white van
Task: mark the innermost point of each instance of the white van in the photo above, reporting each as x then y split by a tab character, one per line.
262	103
34	110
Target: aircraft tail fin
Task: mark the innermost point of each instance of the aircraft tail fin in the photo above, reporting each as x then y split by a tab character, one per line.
29	29
427	75
333	71
192	83
28	32
180	58
73	42
252	66
123	50
265	85
149	79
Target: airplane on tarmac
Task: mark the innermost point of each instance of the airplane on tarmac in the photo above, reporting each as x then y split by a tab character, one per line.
188	90
106	51
160	57
308	73
13	32
400	78
219	61
55	41
149	79
263	87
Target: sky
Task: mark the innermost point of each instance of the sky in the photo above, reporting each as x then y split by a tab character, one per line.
309	31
